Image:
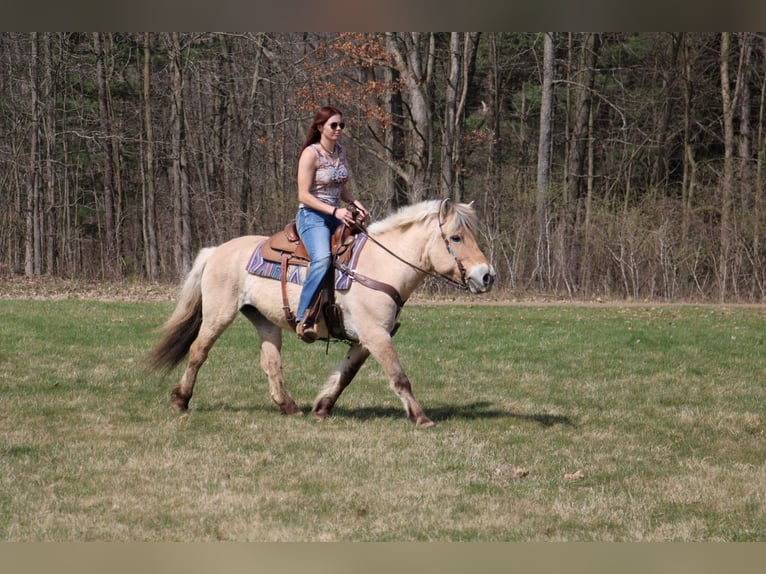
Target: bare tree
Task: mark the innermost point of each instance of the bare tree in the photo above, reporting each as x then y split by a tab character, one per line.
689	181
577	175
110	264
542	266
462	49
669	81
149	213
123	152
181	195
413	55
51	211
449	133
33	248
396	183
728	102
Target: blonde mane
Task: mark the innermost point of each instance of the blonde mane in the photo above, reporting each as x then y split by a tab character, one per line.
462	216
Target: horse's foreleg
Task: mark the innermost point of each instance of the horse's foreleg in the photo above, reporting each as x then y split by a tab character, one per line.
339	379
384	353
271	363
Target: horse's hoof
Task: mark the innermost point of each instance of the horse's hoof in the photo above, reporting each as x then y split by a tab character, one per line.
320	415
290	409
424	422
179	404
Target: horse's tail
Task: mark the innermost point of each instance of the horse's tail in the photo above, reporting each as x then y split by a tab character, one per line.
180	330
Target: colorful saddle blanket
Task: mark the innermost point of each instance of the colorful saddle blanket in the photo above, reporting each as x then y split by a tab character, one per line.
296	273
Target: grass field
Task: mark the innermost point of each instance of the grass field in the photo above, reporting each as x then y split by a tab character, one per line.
558	422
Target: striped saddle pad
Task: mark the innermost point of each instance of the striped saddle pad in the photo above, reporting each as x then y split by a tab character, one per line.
296	273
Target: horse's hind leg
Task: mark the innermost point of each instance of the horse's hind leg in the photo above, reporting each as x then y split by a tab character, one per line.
271	361
339	379
216	317
198	352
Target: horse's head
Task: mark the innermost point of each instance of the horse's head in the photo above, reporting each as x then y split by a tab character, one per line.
458	254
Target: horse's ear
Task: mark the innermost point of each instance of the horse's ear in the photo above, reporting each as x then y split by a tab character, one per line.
445	208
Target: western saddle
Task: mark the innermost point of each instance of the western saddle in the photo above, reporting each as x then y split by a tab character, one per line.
286	248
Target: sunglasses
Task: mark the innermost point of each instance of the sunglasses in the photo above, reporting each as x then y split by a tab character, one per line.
336	125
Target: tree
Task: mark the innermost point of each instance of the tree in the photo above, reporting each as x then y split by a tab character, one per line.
542	264
413	55
462	49
577	173
149	212
728	102
33	251
181	192
123	152
108	146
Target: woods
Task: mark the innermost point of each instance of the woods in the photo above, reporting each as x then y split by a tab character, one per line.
601	164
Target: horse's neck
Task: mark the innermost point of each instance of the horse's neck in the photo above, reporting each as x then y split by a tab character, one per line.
402	267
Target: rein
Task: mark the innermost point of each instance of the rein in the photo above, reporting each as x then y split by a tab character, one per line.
433	274
387	288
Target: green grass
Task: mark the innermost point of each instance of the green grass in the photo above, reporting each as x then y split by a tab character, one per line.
661	409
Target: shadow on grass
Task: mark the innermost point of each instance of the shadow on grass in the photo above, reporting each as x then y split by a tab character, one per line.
471	411
480	410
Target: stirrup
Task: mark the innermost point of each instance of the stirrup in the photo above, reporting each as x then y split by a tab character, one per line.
306	331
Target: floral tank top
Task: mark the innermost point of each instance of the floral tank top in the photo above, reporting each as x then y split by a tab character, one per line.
330	176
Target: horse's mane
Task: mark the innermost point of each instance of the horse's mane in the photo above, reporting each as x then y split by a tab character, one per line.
463	216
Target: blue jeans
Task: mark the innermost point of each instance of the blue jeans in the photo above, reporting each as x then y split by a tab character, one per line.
315	229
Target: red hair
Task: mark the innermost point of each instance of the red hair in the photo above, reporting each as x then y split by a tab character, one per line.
324	114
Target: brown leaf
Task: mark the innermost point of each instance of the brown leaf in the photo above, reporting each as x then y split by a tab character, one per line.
577	475
510	472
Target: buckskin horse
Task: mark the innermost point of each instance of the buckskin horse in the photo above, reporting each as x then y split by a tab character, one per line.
435	237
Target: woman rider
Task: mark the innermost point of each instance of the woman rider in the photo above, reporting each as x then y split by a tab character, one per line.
322	179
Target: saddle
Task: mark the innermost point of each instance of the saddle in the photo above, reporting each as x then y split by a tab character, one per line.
286	248
288	243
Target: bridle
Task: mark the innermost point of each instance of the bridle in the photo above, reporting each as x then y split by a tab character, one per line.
440	276
458	263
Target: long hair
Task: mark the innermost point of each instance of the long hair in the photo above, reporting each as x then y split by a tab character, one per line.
324	114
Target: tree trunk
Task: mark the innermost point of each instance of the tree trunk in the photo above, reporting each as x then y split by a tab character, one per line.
413	67
744	171
758	182
51	227
149	211
450	121
181	197
32	252
245	186
110	261
462	56
689	180
542	268
660	167
577	162
396	184
727	183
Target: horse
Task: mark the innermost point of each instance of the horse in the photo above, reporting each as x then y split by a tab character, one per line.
433	237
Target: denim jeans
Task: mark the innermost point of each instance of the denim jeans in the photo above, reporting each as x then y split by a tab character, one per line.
315	229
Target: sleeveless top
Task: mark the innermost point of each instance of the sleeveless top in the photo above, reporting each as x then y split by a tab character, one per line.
330	176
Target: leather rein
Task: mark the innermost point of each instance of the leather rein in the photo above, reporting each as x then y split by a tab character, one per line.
385	287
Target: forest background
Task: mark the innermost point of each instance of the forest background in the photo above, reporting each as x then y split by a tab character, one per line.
620	165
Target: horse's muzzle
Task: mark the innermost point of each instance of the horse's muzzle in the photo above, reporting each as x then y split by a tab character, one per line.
481	278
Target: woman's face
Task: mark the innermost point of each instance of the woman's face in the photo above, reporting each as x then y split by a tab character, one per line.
333	133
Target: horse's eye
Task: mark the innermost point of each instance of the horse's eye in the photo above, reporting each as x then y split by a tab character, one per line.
455	239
